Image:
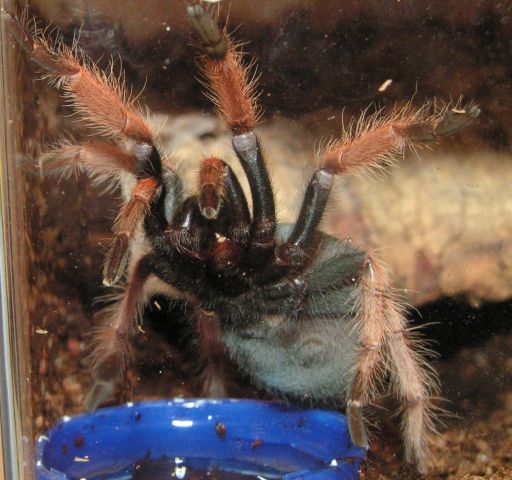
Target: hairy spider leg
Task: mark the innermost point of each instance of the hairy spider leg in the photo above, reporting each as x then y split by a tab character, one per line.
213	353
101	100
100	161
111	341
149	182
125	226
232	89
387	345
372	144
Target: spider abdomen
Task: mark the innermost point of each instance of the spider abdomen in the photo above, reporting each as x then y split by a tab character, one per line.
303	344
308	357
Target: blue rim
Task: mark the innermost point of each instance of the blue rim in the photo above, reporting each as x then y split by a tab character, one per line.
271	439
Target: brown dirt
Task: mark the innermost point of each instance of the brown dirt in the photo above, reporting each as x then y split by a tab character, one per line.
476	441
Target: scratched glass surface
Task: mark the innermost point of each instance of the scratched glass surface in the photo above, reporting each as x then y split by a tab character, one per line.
440	218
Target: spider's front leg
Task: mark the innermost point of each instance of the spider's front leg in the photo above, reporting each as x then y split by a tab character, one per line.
374	144
232	90
102	102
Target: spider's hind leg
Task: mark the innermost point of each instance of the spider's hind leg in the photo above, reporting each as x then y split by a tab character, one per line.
386	345
111	341
213	353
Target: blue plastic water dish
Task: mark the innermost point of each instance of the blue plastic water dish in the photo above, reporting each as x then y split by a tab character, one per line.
192	439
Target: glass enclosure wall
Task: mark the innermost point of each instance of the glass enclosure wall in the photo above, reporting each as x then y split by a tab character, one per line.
15	384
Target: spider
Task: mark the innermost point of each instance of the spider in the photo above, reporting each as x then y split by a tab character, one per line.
301	313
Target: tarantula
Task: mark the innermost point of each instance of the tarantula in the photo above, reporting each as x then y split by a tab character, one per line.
301	313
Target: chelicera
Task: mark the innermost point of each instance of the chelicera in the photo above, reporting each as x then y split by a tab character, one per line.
302	313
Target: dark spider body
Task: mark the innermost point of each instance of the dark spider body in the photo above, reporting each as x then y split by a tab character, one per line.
290	336
288	326
302	314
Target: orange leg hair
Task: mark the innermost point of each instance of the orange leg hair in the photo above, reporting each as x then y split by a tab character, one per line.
103	162
230	84
376	142
101	100
111	342
125	227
